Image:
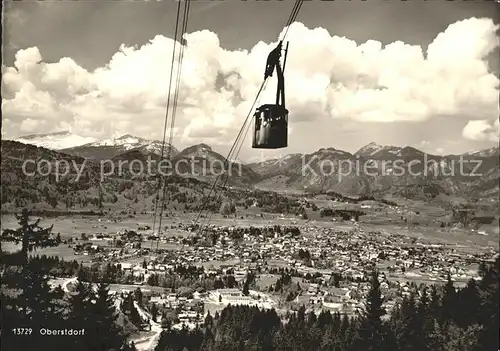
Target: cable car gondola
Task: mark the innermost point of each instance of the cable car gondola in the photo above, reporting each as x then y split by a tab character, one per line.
271	120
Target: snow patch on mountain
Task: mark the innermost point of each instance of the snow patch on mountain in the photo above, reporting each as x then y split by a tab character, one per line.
494	151
55	141
126	141
129	142
373	149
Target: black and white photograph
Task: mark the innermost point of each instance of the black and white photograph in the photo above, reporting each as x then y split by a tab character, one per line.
250	175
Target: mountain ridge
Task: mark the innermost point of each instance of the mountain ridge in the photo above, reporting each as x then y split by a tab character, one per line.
113	147
327	169
129	142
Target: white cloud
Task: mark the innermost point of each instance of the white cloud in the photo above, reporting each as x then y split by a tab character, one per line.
482	130
326	77
29	124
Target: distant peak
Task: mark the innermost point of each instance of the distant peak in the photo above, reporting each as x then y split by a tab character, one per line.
371	145
329	149
411	149
203	146
373	149
44	135
197	148
125	136
377	145
492	151
64	132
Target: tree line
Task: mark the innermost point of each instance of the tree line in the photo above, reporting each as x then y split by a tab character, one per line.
430	319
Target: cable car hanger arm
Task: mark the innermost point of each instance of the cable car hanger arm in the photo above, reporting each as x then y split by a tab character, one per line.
273	59
273	62
286	53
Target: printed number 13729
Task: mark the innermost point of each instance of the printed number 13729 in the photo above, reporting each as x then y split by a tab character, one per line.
22	331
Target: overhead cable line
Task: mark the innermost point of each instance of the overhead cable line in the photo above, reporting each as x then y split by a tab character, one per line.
187	4
167	109
244	128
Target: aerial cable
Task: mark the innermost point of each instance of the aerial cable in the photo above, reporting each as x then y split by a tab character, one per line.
246	126
214	185
295	11
291	19
293	16
176	98
167	110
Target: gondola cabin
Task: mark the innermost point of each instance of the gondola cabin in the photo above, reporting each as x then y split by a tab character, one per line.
271	127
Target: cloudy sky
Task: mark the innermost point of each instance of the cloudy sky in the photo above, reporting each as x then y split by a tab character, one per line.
417	73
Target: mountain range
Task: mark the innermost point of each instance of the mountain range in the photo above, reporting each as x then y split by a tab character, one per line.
109	148
473	174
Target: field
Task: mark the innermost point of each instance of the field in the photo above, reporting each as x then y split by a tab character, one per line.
77	224
422	221
63	251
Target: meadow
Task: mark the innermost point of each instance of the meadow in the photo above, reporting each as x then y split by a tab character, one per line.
414	219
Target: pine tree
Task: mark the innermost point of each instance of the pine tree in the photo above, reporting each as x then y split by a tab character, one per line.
138	296
488	313
208	341
40	302
408	337
10	318
437	337
460	339
423	306
130	347
470	304
31	236
426	320
28	301
135	317
154	312
209	321
449	302
483	269
434	303
83	274
246	285
80	313
105	333
372	333
348	333
328	339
